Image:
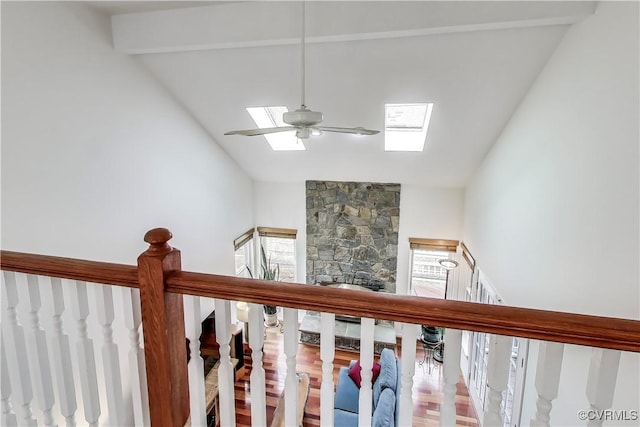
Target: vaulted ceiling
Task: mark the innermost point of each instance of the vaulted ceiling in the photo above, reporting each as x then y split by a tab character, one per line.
474	60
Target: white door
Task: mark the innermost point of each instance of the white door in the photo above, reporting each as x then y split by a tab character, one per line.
482	291
512	401
467	279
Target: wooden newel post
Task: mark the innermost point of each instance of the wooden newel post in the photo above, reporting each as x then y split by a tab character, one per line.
164	335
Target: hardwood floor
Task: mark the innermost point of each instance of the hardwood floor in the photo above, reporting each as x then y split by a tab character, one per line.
427	389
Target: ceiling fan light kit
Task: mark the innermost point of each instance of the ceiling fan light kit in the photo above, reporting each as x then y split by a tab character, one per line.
303	133
303	120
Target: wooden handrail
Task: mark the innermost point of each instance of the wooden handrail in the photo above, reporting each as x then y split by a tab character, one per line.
606	332
70	268
595	331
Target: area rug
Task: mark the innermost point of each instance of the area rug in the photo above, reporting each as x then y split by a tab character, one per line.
303	394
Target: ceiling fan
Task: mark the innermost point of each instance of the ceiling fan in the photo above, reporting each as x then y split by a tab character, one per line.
303	120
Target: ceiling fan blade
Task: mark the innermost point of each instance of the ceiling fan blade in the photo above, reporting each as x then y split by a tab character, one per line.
255	132
355	131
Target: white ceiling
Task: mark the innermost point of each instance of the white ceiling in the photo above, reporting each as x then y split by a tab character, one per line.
120	7
474	60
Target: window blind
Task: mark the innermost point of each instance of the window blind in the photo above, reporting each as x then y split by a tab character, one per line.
433	244
244	238
283	233
467	256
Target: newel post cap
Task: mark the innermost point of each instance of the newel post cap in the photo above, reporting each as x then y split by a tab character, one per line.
157	239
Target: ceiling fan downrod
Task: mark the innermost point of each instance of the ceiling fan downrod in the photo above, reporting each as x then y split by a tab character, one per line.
303	121
302	58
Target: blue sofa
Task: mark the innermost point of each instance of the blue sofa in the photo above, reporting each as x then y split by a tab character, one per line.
385	395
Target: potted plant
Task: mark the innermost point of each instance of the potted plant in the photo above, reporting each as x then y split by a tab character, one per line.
431	335
269	272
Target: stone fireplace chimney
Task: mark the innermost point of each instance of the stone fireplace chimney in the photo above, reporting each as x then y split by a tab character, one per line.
352	233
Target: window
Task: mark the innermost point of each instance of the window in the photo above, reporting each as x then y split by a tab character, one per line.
271	117
280	247
244	254
406	125
428	276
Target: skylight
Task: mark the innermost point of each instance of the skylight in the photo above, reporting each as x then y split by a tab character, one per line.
405	126
269	117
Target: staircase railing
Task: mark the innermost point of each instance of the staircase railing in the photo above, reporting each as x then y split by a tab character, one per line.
152	294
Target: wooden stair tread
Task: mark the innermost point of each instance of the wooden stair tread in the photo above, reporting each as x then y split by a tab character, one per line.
212	390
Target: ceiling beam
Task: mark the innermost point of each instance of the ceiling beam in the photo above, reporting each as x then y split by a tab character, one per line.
251	24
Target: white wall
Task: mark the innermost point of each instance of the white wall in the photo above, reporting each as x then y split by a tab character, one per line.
432	213
424	212
95	152
552	214
283	205
553	210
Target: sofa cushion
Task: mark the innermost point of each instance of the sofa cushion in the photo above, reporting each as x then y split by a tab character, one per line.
356	369
347	392
388	369
384	415
377	389
345	418
388	377
397	391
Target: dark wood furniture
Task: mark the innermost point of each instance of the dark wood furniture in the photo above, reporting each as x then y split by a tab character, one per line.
209	345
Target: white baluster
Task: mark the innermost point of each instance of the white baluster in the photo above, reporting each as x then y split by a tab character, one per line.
547	380
37	351
13	336
86	358
327	354
225	372
452	346
291	381
367	327
110	358
60	349
256	340
195	366
7	417
497	375
407	369
137	367
601	383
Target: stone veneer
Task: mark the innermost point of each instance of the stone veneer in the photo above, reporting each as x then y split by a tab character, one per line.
352	233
